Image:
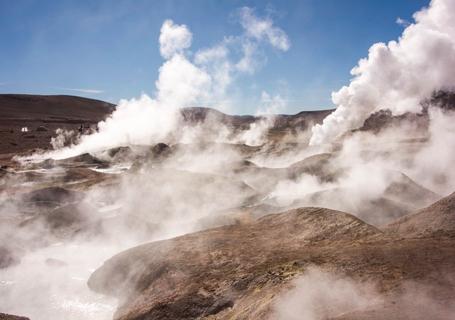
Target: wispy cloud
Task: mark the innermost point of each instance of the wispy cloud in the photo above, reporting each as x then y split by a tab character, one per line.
263	28
82	90
402	22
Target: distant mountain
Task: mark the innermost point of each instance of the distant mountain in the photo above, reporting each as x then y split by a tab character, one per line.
58	107
281	121
62	107
65	109
43	114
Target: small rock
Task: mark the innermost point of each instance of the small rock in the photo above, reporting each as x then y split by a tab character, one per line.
42	129
7	258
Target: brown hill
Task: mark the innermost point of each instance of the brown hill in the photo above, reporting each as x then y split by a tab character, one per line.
436	219
377	211
201	274
42	115
52	108
237	271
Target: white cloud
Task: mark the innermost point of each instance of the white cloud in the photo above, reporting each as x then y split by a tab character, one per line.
260	29
402	22
218	52
174	39
93	91
215	61
256	33
249	61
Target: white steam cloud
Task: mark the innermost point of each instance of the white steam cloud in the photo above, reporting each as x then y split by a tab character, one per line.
184	81
397	75
174	39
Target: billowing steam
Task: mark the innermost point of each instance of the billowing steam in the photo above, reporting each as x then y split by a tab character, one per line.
184	80
397	75
257	132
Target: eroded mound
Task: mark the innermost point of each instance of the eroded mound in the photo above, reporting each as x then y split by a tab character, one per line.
203	273
238	271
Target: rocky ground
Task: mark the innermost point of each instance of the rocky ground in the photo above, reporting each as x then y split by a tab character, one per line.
215	239
236	272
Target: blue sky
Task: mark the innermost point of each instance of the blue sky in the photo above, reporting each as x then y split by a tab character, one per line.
110	48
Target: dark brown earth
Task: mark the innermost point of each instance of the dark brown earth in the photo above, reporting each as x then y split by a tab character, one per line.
4	316
49	108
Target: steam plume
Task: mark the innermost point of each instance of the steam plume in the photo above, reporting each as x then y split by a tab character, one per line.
183	81
397	75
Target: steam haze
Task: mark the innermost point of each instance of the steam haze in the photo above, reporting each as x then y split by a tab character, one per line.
161	208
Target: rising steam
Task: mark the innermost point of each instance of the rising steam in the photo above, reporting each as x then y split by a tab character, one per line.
397	75
184	80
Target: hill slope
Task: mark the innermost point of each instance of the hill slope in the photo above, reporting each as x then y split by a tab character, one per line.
54	107
238	271
42	115
438	218
202	274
